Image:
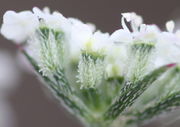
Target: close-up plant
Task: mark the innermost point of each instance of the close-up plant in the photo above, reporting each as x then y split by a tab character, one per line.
123	79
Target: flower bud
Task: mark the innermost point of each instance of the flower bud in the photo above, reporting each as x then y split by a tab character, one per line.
91	69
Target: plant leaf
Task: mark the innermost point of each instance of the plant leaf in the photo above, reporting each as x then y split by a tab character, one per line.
165	104
132	91
69	101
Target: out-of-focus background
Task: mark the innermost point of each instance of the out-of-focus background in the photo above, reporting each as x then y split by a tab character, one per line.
23	100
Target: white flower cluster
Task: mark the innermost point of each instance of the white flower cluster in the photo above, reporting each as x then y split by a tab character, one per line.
129	52
99	76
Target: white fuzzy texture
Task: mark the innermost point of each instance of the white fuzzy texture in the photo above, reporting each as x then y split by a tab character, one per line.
91	72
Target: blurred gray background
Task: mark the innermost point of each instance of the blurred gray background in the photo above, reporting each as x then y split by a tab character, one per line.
31	106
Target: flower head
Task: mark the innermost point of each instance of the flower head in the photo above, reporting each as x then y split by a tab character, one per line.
99	76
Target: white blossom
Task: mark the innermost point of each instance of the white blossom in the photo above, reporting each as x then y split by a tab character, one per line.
116	60
134	19
140	31
124	38
83	37
55	20
95	74
19	26
78	36
98	42
80	33
167	49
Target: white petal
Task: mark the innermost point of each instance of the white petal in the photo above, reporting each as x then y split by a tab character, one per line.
80	34
170	26
128	16
38	12
134	19
18	26
46	10
124	26
100	41
121	36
